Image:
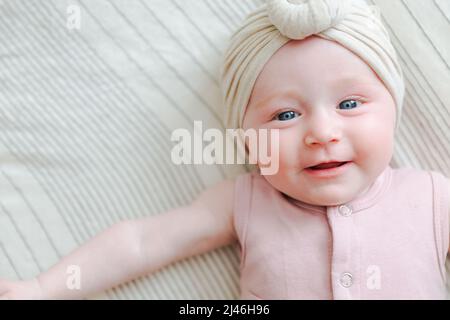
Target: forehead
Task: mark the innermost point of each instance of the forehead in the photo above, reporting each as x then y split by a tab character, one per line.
313	58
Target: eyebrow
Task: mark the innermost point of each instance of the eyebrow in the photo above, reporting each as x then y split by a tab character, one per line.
294	92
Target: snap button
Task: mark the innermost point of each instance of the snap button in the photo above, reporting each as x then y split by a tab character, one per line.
346	280
345	211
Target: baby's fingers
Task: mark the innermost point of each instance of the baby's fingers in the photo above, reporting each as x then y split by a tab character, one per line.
4	287
4	297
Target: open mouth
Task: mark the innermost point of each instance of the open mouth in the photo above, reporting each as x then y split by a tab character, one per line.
329	165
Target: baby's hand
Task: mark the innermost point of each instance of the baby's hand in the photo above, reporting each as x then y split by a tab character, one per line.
20	290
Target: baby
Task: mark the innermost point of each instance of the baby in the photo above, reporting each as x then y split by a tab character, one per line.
335	221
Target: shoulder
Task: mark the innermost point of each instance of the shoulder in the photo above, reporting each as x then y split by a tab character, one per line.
440	183
218	197
218	202
419	178
409	173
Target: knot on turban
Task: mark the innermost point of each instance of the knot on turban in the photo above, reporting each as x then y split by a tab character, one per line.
298	19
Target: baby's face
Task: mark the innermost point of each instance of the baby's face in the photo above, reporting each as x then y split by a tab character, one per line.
328	105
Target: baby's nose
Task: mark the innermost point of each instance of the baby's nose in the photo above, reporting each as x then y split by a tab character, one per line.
322	133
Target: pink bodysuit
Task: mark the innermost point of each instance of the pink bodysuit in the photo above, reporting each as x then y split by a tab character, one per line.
390	243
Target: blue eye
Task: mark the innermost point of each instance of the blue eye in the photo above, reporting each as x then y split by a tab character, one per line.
348	104
286	115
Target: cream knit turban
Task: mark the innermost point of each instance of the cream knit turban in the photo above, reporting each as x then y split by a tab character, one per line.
351	23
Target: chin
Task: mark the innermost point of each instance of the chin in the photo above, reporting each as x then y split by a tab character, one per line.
330	200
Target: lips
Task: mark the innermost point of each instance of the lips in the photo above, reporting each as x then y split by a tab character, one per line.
327	165
337	169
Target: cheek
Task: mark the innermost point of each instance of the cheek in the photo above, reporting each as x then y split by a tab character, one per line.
374	137
289	148
281	145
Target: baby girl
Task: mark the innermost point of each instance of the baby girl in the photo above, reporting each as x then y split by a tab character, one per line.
335	221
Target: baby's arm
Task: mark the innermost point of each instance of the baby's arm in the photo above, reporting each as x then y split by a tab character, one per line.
133	248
